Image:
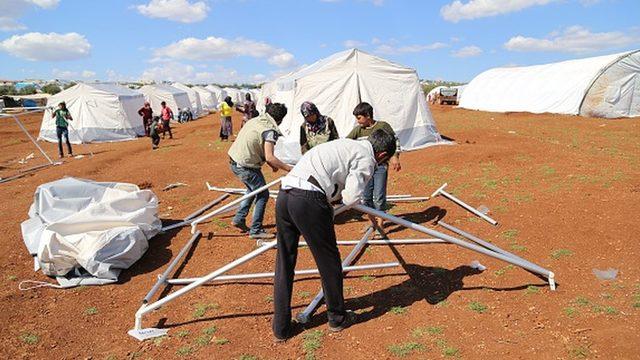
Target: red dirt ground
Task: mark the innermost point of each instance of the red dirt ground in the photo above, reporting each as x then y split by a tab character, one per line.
566	191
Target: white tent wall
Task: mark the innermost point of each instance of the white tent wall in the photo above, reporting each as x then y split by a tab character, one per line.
208	99
194	98
616	92
100	112
553	88
219	93
235	94
338	83
156	94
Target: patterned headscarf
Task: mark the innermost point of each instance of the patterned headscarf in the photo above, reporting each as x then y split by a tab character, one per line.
307	109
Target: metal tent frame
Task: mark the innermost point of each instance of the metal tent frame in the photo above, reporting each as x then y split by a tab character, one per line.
478	245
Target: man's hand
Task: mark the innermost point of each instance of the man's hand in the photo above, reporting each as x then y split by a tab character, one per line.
395	163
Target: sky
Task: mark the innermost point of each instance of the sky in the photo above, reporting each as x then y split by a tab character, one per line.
239	41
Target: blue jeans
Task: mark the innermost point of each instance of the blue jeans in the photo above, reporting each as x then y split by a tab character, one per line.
252	179
375	192
60	132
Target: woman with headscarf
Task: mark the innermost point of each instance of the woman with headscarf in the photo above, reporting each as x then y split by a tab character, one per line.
316	129
226	127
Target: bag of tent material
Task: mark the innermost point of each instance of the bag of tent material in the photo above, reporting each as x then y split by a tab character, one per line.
93	230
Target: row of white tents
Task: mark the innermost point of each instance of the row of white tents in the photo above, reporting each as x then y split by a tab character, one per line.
604	86
109	112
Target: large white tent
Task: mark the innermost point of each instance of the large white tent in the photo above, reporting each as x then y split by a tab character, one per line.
194	98
604	86
236	94
338	83
175	98
100	112
218	92
208	99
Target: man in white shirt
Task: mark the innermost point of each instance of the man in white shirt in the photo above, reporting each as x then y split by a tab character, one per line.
326	173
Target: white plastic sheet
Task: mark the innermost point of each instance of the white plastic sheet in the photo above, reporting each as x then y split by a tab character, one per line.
101	227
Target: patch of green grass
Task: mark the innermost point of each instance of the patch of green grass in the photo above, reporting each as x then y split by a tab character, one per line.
570	311
580	352
184	351
221	341
182	333
560	253
220	223
479	194
548	170
489	184
582	301
247	357
91	311
158	341
210	330
111	357
368	278
450	351
443	303
398	310
303	294
610	310
478	307
404	349
473	219
268	298
430	330
203	340
510	234
503	270
524	198
532	290
488	168
311	341
30	338
201	309
517	247
12	277
445	169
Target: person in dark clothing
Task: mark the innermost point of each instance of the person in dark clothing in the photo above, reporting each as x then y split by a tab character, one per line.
147	114
247	109
326	173
317	128
153	132
62	117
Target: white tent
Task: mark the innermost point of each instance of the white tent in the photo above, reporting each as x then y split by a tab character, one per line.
100	112
236	95
175	98
208	99
218	92
432	94
338	83
604	86
194	98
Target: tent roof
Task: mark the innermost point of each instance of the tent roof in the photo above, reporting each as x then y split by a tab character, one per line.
555	88
113	89
163	88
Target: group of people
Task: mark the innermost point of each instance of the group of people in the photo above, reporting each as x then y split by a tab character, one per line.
248	109
155	125
331	170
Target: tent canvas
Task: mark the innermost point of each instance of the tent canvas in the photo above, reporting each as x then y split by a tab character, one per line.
218	92
208	99
338	83
603	86
236	95
194	98
100	112
175	98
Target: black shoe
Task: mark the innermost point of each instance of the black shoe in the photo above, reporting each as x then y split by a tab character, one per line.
241	226
349	319
262	235
294	329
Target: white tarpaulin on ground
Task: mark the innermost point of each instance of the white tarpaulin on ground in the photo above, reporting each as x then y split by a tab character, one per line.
194	98
604	86
156	94
100	227
100	112
338	83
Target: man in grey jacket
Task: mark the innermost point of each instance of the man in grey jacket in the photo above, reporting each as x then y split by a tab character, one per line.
326	173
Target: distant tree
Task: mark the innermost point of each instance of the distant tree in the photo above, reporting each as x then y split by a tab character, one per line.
51	89
7	90
27	90
69	85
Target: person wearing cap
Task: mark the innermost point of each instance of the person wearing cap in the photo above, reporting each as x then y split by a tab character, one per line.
329	172
62	116
375	195
317	129
253	147
147	115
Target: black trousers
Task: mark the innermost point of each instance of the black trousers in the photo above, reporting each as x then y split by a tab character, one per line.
306	213
60	132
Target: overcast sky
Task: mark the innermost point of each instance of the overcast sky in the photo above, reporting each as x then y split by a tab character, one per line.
227	41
